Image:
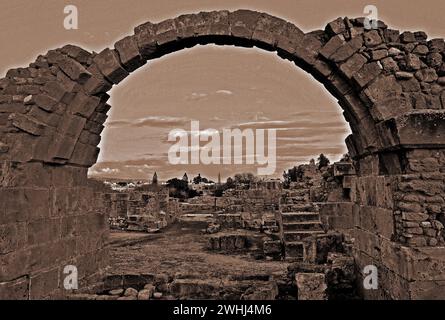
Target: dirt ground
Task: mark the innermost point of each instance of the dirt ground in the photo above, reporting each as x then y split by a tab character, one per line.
181	249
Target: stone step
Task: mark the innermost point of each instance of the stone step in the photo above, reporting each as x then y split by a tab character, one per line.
297	192
292	236
296	199
294	251
302	225
297	207
300	216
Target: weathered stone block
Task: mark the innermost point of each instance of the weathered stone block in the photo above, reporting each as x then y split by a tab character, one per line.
243	23
15	290
426	75
166	32
384	87
311	286
71	125
45	102
387	109
109	64
84	105
12	237
145	38
347	50
372	38
14	265
353	65
336	27
27	124
332	46
365	75
74	70
56	90
268	29
84	154
97	83
43	284
77	53
129	53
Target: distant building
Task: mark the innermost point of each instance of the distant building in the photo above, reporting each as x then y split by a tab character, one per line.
155	178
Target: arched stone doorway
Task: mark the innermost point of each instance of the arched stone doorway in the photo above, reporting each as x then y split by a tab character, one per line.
390	86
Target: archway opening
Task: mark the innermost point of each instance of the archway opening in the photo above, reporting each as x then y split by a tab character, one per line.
221	87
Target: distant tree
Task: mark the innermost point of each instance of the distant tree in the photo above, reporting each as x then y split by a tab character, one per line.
230	183
346	158
293	175
179	188
244	178
197	179
322	161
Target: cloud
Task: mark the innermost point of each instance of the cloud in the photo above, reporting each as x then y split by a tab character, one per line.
152	121
226	92
196	96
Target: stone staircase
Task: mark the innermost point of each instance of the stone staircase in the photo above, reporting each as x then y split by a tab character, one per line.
299	218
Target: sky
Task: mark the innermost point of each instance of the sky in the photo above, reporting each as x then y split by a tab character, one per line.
221	87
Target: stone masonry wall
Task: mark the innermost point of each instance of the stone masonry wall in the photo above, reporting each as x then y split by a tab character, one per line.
390	85
395	224
50	217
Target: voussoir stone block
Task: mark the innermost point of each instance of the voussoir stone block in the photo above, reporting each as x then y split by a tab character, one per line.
218	22
268	29
146	40
166	32
190	25
109	64
97	83
129	53
243	23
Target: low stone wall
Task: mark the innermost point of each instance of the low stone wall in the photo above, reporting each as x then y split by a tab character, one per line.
154	209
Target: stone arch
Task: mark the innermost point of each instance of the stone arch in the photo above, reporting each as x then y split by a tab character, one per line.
389	84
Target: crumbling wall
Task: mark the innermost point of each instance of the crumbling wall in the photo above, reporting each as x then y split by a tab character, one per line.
396	224
151	209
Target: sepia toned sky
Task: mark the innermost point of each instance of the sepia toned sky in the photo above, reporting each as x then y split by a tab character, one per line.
222	87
